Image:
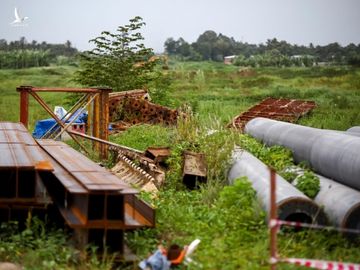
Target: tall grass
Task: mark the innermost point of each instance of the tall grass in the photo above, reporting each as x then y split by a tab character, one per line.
37	77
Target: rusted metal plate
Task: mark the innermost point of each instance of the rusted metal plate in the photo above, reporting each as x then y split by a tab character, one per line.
87	173
139	93
15	136
133	175
289	110
135	110
194	169
12	126
158	154
13	156
72	160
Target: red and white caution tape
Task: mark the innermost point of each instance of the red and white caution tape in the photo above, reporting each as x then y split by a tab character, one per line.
277	222
324	265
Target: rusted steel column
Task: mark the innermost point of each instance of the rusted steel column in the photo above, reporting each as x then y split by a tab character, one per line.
273	216
96	122
89	123
24	104
104	120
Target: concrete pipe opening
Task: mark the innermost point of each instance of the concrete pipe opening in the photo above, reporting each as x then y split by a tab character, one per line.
301	210
299	217
352	221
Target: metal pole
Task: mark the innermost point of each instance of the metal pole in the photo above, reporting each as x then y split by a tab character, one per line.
24	104
272	219
96	122
73	108
121	147
104	120
75	116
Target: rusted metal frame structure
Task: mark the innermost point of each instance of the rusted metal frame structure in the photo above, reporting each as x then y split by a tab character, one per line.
21	189
100	112
76	115
75	107
95	203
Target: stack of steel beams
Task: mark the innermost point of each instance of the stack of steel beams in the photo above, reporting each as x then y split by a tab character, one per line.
96	204
21	159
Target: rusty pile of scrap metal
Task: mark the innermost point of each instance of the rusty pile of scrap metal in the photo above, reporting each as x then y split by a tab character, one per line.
289	110
98	206
133	107
146	170
194	169
147	173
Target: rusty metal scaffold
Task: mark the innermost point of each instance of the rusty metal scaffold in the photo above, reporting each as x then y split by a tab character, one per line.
98	119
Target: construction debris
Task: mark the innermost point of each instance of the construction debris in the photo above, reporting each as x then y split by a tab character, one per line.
134	175
194	169
135	110
158	154
148	174
289	110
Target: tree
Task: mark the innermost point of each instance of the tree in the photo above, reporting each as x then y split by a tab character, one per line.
171	46
120	60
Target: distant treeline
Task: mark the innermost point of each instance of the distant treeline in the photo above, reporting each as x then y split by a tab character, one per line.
23	54
213	46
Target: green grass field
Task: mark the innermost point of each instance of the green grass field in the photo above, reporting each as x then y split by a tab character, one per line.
228	220
37	77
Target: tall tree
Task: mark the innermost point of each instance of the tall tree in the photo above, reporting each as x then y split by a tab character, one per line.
120	60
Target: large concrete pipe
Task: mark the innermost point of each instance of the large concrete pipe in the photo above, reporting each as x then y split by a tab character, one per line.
340	203
291	203
355	131
332	154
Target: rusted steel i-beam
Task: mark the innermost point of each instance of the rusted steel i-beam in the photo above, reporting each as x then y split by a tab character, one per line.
104	120
24	104
96	122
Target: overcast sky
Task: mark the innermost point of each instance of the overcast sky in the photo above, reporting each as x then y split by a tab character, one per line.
254	21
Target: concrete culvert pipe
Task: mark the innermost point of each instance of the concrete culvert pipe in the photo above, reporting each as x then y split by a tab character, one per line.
354	131
330	153
292	204
340	203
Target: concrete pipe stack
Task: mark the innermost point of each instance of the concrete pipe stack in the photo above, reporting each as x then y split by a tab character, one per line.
330	153
340	203
291	203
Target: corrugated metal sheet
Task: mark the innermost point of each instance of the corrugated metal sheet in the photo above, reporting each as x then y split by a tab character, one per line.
282	109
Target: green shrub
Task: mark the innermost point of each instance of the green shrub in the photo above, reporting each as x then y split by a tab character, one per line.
308	183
